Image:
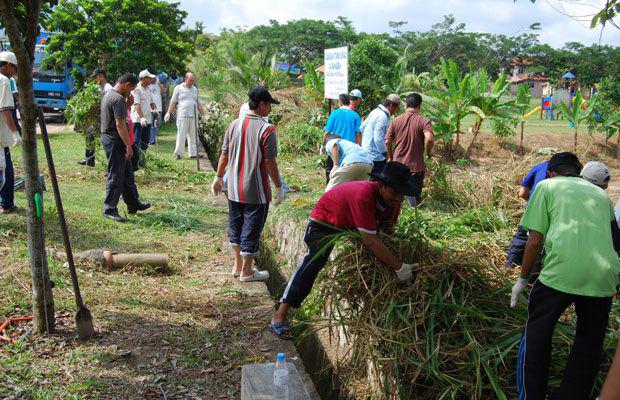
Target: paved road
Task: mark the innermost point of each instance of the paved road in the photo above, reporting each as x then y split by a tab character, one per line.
55	124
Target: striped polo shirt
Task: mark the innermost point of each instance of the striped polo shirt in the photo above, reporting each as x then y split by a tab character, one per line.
248	142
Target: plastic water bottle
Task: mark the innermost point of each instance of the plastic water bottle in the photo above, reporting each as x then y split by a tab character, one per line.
280	379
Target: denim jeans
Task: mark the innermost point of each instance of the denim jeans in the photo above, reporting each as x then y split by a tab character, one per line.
154	129
7	193
245	224
418	178
318	238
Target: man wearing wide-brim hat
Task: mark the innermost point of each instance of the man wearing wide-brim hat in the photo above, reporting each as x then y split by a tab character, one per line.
368	207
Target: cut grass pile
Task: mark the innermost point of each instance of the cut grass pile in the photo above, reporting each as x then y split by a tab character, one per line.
451	334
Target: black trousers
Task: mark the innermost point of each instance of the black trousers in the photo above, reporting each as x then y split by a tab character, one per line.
329	164
120	180
320	241
546	305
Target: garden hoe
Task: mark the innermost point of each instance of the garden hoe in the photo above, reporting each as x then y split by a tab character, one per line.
83	318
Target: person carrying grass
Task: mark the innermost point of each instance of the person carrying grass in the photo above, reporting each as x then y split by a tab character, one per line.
362	206
574	221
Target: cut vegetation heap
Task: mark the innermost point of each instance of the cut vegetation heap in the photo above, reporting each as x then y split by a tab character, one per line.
451	334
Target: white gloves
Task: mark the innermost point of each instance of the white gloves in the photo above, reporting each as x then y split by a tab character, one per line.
17	139
143	122
517	289
167	117
218	183
404	273
322	149
279	196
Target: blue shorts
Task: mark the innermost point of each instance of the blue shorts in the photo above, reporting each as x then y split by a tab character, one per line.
245	224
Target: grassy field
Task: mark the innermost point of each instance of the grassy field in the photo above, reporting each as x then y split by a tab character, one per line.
178	334
182	333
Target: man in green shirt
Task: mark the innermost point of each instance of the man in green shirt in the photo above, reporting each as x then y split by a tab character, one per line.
575	222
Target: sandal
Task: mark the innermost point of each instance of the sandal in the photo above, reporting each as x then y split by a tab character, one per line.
238	274
256	276
281	329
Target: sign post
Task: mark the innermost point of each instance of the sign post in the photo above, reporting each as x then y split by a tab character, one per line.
336	72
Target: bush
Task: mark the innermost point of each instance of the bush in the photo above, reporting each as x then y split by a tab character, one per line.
83	109
211	128
302	138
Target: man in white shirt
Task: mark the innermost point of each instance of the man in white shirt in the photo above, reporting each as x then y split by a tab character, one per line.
99	76
9	133
185	99
141	112
155	88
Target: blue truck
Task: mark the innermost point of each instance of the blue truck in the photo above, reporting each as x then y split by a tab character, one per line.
52	87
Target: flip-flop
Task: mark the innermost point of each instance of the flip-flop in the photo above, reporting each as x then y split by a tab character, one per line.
256	276
280	329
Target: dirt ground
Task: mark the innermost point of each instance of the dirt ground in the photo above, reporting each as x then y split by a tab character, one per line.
179	335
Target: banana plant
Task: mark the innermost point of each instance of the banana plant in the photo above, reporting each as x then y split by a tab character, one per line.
575	114
485	104
314	83
456	95
522	104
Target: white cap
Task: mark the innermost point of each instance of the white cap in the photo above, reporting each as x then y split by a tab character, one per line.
8	56
145	74
356	93
596	173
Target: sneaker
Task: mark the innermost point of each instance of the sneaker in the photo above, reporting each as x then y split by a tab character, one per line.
141	207
8	210
256	276
114	216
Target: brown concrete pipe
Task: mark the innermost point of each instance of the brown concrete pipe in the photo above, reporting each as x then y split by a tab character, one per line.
118	261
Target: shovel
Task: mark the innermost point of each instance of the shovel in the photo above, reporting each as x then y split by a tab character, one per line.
83	318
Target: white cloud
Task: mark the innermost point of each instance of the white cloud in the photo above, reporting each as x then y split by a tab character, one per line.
495	16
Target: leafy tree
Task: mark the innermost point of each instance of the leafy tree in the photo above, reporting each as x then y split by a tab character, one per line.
371	69
299	39
603	114
120	35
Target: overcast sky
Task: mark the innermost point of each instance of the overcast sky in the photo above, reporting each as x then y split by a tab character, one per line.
495	16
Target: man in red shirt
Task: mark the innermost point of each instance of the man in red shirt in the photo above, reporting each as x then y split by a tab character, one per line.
407	137
362	205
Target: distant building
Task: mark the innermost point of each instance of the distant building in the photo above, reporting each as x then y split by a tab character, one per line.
537	81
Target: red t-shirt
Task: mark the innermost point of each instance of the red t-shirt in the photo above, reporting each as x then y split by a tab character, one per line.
355	205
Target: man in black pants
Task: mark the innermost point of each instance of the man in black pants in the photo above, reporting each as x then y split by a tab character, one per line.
575	222
118	148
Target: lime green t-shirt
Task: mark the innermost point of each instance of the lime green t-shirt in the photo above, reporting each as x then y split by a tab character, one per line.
575	218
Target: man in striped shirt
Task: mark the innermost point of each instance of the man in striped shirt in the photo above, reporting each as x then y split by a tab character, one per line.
249	149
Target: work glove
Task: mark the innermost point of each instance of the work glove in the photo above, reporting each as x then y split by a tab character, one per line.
517	289
405	272
17	139
279	196
143	122
167	117
321	150
218	183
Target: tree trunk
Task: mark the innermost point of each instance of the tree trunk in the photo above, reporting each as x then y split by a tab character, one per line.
575	144
476	130
22	44
606	142
521	139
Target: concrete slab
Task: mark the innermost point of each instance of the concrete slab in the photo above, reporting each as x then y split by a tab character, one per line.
257	382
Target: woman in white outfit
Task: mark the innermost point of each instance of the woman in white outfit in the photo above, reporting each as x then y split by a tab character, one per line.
186	101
